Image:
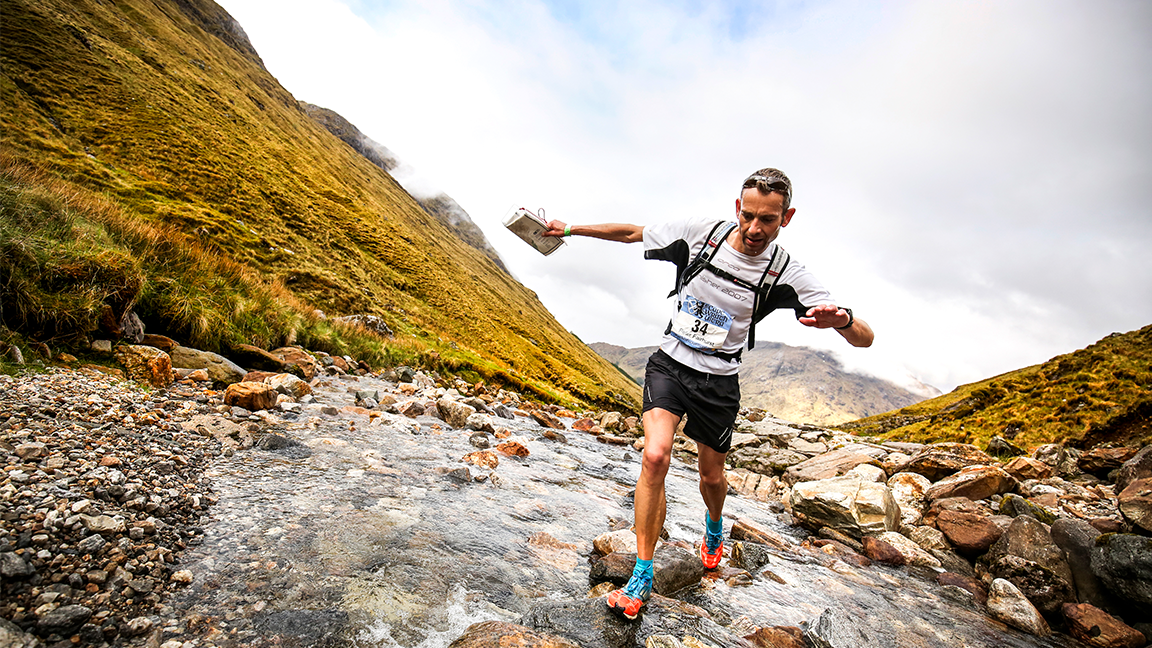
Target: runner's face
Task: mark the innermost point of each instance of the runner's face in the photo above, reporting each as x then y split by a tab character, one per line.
760	217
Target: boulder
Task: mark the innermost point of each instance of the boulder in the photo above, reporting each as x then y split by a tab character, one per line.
972	585
1015	506
12	566
1123	563
1096	627
64	621
998	446
1135	503
868	472
973	482
1007	604
1043	587
165	344
1138	467
454	413
289	385
299	358
411	409
1077	538
826	466
847	504
896	549
1025	468
1027	538
749	556
622	541
254	357
251	396
145	364
1100	461
583	424
971	533
590	624
610	421
962	504
765	459
1063	460
219	368
498	634
909	489
481	423
548	420
777	637
838	629
939	460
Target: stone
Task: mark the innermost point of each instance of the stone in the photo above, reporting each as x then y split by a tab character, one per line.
1025	468
846	504
182	576
868	472
962	504
14	567
252	396
749	556
967	583
971	533
411	409
303	361
826	466
256	358
64	620
1096	627
219	368
881	551
674	568
1043	587
1135	503
973	482
1027	538
998	446
513	449
288	384
454	413
778	637
1063	460
909	489
480	422
745	530
939	460
910	552
146	364
1007	604
1014	506
589	623
547	420
610	421
765	459
373	323
583	424
615	568
1100	461
1123	563
1138	467
483	459
837	629
499	634
103	524
137	626
33	450
622	541
1077	538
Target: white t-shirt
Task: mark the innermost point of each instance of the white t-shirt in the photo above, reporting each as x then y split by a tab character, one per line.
713	313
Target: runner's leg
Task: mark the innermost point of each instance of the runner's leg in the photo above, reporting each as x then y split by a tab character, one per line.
713	483
649	503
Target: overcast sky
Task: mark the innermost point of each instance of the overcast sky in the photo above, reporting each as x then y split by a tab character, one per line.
973	178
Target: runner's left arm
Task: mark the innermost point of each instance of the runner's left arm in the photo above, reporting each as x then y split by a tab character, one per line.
621	232
832	316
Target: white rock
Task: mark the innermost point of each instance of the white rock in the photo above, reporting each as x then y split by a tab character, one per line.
913	554
1006	603
868	472
909	488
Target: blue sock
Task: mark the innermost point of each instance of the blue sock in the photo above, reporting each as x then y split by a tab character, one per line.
714	527
642	567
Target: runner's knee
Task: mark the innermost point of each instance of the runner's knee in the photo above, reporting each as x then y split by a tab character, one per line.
657	459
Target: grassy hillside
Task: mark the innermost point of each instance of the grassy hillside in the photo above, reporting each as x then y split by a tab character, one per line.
164	110
1101	394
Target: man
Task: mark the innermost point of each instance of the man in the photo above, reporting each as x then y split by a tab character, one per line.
729	276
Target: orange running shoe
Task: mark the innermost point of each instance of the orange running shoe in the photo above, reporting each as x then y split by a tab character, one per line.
712	549
629	599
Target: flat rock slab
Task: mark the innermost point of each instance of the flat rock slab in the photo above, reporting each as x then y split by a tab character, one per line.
590	624
826	466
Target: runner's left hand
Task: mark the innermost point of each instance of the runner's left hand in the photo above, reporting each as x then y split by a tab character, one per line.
825	316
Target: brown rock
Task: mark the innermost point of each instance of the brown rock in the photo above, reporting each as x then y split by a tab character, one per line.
300	358
971	533
742	530
583	425
110	461
146	364
513	449
1101	461
483	458
547	420
247	355
778	637
612	439
972	585
1135	503
826	466
973	482
411	409
1096	627
165	344
1138	467
1025	468
501	634
254	376
564	413
939	460
250	395
881	551
961	504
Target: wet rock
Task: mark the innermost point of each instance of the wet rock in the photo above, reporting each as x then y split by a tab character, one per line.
973	482
909	490
846	504
219	368
749	556
833	534
11	636
675	568
289	385
940	460
547	419
1138	467
553	435
484	458
1007	604
826	466
881	551
745	530
513	449
615	568
833	630
479	440
765	460
590	624
1000	447
454	413
1123	563
480	422
612	439
1135	503
303	628
1025	468
63	620
911	553
777	637
622	541
1043	587
967	583
251	396
583	424
411	408
273	442
501	634
972	534
146	364
1096	627
1015	506
14	567
1077	538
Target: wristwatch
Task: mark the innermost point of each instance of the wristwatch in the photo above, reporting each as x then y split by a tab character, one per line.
851	320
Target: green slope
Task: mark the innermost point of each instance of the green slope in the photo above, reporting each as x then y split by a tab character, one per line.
1100	394
165	109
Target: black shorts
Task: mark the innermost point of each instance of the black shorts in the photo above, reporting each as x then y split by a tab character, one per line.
710	401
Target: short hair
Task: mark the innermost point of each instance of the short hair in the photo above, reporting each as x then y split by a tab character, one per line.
768	180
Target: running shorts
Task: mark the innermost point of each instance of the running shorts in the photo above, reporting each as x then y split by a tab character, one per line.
710	401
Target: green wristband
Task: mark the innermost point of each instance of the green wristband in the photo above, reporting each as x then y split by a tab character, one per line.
567	230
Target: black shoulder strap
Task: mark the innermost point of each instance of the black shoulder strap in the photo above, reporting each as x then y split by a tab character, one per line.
776	266
711	246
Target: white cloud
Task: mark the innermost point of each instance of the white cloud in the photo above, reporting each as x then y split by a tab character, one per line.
973	178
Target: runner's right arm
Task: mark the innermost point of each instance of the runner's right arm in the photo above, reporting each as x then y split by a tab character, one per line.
621	232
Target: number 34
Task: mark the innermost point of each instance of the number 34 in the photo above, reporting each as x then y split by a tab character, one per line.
700	327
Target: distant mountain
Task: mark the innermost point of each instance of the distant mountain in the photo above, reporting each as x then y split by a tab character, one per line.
794	383
442	206
1099	394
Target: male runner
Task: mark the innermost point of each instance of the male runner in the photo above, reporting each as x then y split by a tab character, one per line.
694	371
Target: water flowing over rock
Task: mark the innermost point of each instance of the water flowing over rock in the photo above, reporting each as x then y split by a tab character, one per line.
1006	603
219	368
846	504
501	634
590	624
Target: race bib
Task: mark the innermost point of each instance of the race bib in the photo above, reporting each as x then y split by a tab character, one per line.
701	325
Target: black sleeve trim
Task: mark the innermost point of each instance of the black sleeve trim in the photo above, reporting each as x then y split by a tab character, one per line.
676	252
